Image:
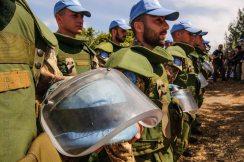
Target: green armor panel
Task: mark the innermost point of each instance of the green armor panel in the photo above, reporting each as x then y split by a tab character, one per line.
43	30
127	59
17	109
76	50
105	46
165	54
176	51
186	47
155	56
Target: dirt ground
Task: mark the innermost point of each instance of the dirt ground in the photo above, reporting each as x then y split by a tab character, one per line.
222	117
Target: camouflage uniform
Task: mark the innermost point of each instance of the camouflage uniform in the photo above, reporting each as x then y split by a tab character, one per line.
155	144
186	79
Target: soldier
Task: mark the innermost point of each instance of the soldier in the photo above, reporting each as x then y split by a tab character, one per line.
201	51
182	34
148	22
103	50
27	61
207	46
118	31
202	58
74	55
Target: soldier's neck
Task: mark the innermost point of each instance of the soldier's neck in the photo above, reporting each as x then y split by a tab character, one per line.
115	41
63	32
146	45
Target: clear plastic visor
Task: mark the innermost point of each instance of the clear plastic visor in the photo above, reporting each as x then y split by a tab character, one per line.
208	67
186	100
202	80
93	109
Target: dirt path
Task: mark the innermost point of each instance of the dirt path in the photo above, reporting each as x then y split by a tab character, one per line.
222	117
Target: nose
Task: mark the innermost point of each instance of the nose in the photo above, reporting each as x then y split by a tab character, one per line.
81	18
165	25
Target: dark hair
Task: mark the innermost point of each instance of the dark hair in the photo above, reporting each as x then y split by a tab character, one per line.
116	27
61	12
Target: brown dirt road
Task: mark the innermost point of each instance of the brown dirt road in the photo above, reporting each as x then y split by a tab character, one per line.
222	117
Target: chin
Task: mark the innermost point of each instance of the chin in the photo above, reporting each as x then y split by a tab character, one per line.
162	38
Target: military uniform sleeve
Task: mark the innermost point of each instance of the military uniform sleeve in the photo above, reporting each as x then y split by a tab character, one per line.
121	152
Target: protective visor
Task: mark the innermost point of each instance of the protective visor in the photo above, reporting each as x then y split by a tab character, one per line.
208	67
202	80
93	109
185	98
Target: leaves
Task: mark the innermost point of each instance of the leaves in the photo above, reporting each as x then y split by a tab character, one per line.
93	37
236	30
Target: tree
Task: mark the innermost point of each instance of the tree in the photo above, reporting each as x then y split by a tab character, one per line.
236	30
93	38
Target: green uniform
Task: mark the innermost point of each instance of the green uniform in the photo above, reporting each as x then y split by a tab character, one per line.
25	42
154	144
107	46
74	56
102	47
185	79
191	69
202	58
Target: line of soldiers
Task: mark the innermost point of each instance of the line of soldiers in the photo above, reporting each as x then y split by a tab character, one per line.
33	58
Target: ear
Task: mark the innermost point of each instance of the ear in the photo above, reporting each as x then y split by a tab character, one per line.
113	32
58	19
139	27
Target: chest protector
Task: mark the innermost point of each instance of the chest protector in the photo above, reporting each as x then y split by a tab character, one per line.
74	56
157	138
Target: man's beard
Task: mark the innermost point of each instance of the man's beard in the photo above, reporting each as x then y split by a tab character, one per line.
151	37
120	39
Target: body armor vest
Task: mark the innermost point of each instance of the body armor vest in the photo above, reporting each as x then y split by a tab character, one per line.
73	56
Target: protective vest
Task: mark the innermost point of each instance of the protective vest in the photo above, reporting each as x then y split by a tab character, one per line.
202	57
128	59
116	47
157	138
74	56
24	42
188	78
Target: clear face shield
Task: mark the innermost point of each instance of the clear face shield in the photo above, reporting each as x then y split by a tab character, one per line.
93	109
208	67
202	80
184	97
